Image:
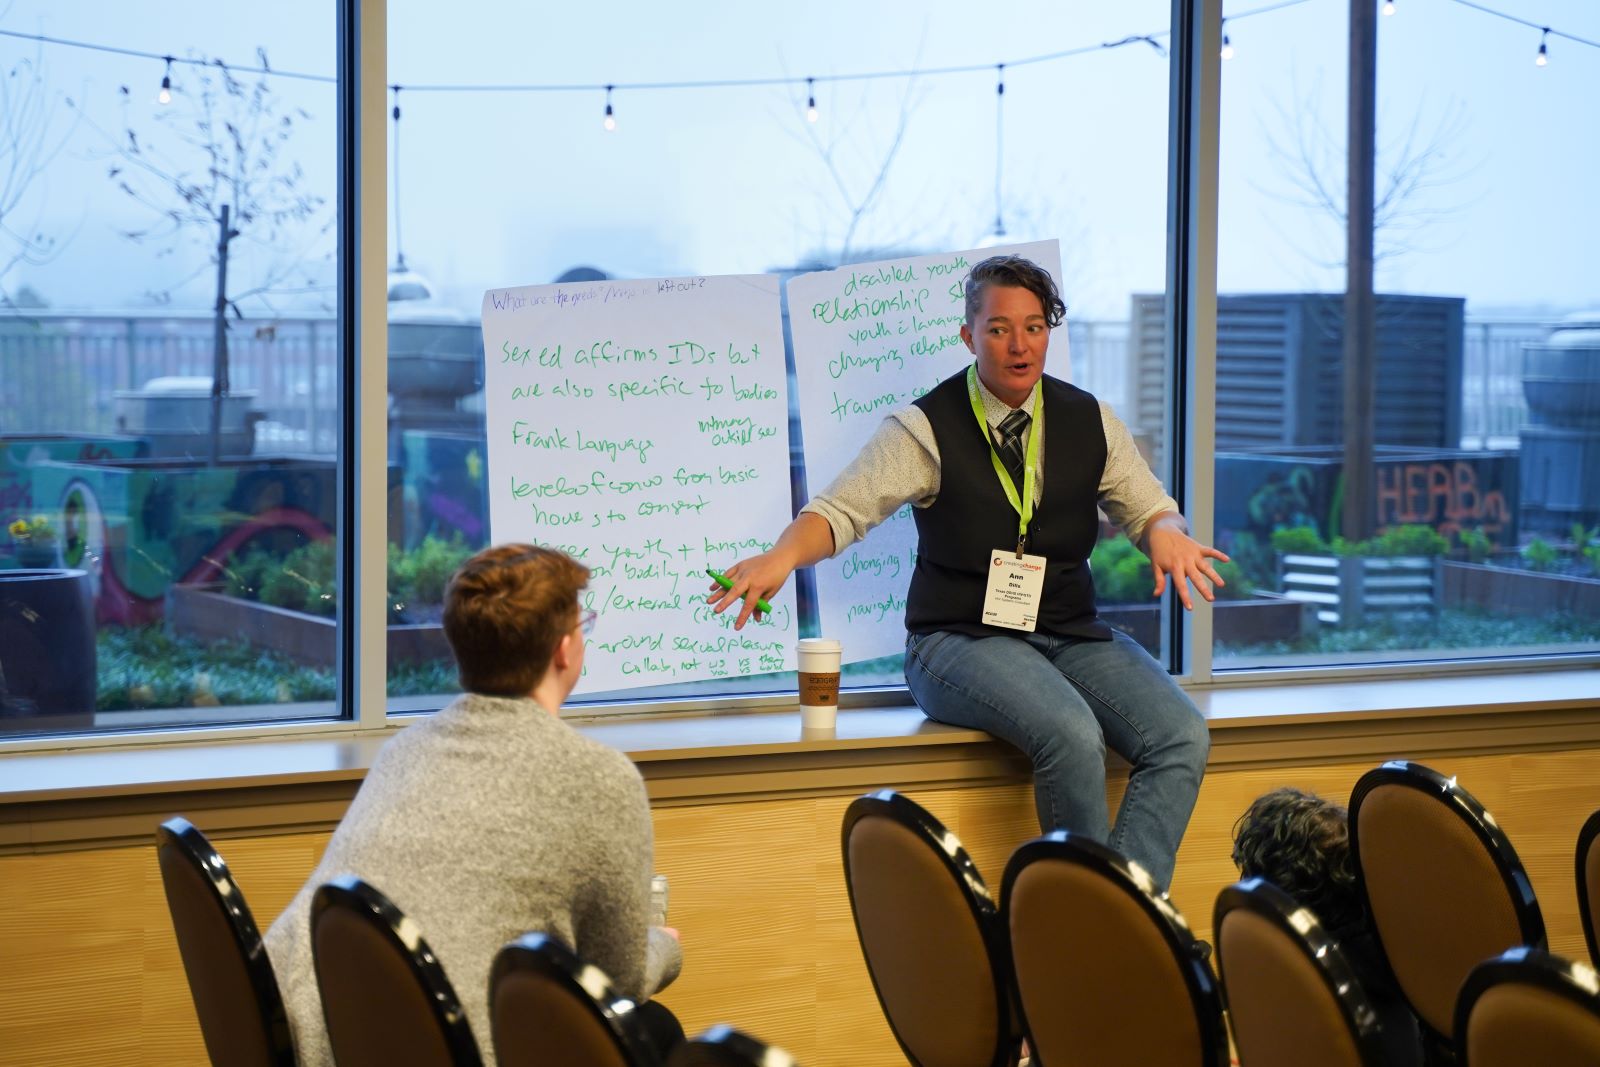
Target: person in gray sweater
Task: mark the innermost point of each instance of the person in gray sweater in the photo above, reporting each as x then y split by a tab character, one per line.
493	817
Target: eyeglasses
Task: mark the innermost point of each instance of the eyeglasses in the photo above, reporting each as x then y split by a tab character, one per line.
586	619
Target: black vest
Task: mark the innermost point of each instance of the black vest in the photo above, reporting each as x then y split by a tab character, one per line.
971	516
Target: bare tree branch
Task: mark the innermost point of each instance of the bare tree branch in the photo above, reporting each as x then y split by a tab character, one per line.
30	140
1309	159
222	142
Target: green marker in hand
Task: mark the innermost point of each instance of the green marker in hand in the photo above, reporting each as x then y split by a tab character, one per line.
727	583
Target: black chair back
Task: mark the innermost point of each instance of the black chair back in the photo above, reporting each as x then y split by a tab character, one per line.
1293	998
547	1007
1528	1007
385	995
1107	971
230	977
723	1046
930	933
1442	883
1589	883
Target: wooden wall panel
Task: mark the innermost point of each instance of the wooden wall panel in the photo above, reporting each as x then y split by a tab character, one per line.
89	972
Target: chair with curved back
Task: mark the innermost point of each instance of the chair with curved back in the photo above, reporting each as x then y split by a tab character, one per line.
723	1046
235	992
548	1007
930	933
1589	883
1292	996
1107	971
1528	1007
384	994
1440	880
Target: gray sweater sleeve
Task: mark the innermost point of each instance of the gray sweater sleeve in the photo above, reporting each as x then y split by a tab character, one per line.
1130	493
615	905
899	465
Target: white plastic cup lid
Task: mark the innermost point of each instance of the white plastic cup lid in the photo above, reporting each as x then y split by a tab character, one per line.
819	644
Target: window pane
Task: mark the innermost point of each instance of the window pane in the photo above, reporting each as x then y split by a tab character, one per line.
168	552
1485	477
495	189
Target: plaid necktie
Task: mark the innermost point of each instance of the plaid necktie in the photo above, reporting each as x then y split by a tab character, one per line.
1012	431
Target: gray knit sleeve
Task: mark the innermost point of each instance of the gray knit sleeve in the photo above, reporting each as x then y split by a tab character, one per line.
898	465
1130	493
611	922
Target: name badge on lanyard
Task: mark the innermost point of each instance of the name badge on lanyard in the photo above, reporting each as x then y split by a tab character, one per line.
1016	588
1016	580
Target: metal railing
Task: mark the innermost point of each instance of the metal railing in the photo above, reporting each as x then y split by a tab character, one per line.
60	373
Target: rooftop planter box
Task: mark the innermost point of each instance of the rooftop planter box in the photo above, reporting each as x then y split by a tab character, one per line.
1354	590
1513	591
1262	617
207	614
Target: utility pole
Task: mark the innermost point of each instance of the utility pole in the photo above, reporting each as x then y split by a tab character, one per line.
1359	518
219	339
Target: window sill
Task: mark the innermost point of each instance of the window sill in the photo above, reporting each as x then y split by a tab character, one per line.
105	797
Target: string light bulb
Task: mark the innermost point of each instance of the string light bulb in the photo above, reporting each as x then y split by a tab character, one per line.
1388	7
1543	58
165	95
1227	45
811	101
610	122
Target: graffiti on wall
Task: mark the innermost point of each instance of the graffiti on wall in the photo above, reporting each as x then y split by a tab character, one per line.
1443	494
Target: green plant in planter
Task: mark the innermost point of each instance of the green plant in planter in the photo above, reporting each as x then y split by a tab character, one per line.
1539	554
1252	556
1586	546
1122	575
1238	587
304	581
244	574
1475	543
34	541
1411	540
1300	541
420	576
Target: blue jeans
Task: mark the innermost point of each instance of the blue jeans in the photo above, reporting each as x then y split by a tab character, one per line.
1062	700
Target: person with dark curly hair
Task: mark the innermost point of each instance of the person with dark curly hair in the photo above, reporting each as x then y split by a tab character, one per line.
1002	634
1301	843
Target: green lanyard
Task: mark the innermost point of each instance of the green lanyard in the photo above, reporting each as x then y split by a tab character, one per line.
1030	461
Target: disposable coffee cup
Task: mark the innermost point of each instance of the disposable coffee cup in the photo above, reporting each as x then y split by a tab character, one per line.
819	681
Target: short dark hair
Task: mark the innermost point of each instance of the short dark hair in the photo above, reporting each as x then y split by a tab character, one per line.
1301	844
506	610
1016	273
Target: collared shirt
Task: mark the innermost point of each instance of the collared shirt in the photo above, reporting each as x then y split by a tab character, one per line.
900	465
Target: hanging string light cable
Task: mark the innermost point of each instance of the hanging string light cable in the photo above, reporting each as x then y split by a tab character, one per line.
1544	31
999	146
1151	39
394	168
